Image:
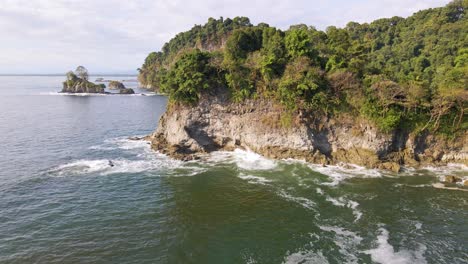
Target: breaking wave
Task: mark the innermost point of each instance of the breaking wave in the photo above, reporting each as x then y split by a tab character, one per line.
339	173
254	179
103	167
244	159
140	159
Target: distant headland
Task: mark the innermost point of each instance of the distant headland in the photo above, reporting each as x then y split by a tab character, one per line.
386	94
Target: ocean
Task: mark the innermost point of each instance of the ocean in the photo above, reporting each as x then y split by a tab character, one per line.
61	201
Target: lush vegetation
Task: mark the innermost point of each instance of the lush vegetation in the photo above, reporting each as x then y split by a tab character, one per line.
401	73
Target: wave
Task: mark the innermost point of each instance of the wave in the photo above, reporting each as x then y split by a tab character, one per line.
304	202
341	172
451	168
254	179
385	253
304	256
244	159
103	167
142	159
342	202
123	143
346	241
439	185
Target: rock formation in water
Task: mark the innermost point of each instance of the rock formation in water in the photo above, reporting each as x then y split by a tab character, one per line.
77	82
126	91
82	86
216	123
116	85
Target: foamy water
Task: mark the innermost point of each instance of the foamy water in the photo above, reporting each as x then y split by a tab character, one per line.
62	201
385	253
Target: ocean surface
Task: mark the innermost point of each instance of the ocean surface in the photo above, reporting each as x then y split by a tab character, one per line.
61	202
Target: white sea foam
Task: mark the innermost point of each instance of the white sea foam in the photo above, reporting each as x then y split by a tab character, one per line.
144	159
346	241
439	185
339	173
102	166
305	257
385	253
304	202
122	143
342	202
244	159
254	179
418	225
448	169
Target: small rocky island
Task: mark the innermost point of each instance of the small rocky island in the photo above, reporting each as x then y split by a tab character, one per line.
116	85
78	82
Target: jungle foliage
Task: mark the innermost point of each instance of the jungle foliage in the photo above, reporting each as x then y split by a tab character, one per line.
402	73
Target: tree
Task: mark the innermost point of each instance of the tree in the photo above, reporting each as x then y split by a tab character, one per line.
298	43
190	75
82	72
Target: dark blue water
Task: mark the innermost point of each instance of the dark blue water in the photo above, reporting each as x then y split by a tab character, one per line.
61	202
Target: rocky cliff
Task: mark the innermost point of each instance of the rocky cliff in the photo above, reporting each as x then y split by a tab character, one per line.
215	123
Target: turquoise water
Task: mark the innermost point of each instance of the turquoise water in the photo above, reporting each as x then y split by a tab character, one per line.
61	202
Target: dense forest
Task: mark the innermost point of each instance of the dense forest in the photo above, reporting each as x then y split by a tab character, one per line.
401	73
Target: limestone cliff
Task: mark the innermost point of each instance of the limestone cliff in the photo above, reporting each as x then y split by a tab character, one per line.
215	123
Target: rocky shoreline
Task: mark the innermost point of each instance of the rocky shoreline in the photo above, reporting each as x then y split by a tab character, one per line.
214	123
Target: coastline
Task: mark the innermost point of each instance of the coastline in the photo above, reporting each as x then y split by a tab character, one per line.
185	132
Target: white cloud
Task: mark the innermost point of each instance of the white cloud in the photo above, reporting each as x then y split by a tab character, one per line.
116	35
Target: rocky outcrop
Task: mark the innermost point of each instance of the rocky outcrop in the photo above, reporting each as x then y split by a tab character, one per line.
126	91
452	179
116	85
82	86
215	123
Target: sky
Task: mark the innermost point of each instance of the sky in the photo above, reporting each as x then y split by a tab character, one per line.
114	36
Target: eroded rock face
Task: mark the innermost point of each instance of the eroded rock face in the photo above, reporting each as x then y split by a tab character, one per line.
215	123
82	86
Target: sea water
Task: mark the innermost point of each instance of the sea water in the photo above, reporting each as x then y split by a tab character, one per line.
61	201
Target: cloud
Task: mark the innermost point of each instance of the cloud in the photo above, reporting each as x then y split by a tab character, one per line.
116	35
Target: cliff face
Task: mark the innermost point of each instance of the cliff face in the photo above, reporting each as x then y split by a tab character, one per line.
215	124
